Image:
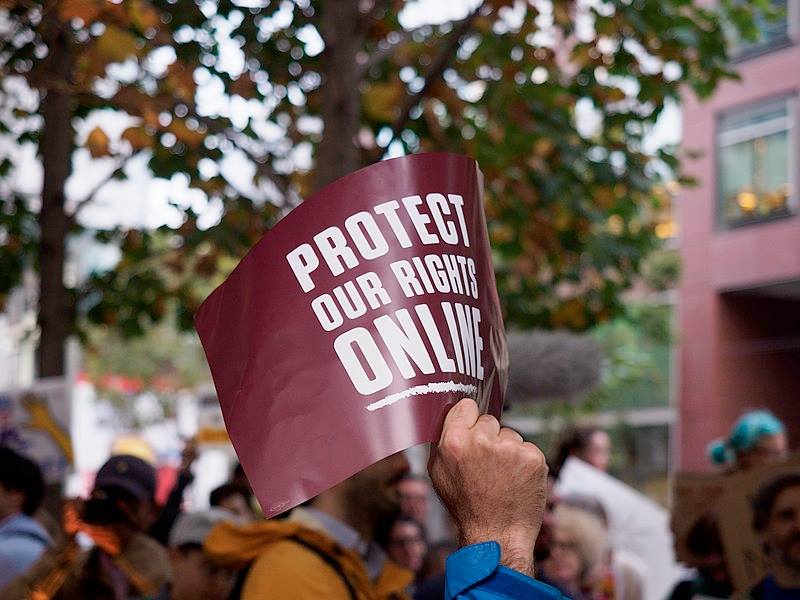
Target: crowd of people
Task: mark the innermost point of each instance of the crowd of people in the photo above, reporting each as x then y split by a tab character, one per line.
367	537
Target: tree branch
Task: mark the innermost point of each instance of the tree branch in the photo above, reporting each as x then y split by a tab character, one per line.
263	166
265	169
386	48
437	67
93	192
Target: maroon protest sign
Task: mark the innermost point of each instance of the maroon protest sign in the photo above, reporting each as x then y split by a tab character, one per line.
351	327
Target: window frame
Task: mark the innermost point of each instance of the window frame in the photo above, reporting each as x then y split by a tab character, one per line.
752	132
739	54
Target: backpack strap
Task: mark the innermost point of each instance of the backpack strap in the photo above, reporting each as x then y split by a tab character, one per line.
331	562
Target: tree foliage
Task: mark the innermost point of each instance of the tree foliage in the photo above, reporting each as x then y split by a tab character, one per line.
306	91
161	359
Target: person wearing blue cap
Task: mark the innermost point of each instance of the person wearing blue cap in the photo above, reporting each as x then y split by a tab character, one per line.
757	438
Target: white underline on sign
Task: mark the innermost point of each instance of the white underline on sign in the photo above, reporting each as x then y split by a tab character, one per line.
418	390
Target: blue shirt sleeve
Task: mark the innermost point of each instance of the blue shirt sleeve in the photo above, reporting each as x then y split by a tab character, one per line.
475	573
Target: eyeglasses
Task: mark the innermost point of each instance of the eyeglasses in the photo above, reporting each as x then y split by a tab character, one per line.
408	541
568	546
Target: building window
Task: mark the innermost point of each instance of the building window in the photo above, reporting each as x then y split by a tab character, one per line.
664	217
773	32
754	154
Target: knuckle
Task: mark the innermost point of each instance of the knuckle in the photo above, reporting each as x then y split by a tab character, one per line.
532	453
509	433
488	421
484	439
453	441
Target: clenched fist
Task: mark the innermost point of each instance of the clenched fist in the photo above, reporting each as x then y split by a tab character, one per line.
492	482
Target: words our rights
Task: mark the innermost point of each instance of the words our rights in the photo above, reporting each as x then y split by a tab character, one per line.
451	328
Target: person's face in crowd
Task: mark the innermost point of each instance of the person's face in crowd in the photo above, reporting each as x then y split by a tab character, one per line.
782	533
374	491
414	499
236	504
564	563
713	567
768	450
10	502
142	514
598	452
407	547
195	575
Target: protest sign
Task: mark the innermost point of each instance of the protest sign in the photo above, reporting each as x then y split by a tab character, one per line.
34	421
744	546
636	524
349	329
693	496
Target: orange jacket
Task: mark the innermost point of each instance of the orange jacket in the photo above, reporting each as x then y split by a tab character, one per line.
296	559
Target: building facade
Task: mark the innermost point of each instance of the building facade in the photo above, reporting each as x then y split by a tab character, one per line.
739	229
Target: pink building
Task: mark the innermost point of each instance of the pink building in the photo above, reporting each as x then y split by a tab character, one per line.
740	247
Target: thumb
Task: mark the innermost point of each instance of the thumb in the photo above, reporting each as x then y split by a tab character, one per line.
463	415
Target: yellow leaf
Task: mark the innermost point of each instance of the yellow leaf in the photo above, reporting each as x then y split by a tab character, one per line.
616	225
570	314
543	148
132	100
562	218
604	196
212	187
381	100
97	143
137	137
180	81
90	65
150	117
190	137
304	182
116	44
85	10
501	233
615	95
114	12
143	15
561	13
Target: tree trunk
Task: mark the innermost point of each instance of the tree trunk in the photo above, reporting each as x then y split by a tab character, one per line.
55	149
342	30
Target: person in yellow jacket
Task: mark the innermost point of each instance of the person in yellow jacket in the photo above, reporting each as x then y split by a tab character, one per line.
324	550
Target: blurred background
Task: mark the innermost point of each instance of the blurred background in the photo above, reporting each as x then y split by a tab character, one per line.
640	161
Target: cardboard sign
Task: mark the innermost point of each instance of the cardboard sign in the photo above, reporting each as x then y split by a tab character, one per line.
35	422
744	547
693	495
349	329
636	523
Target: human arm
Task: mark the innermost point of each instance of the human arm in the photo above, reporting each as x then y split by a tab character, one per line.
494	484
172	508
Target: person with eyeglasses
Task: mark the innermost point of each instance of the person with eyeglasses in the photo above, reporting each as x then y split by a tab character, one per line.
578	545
